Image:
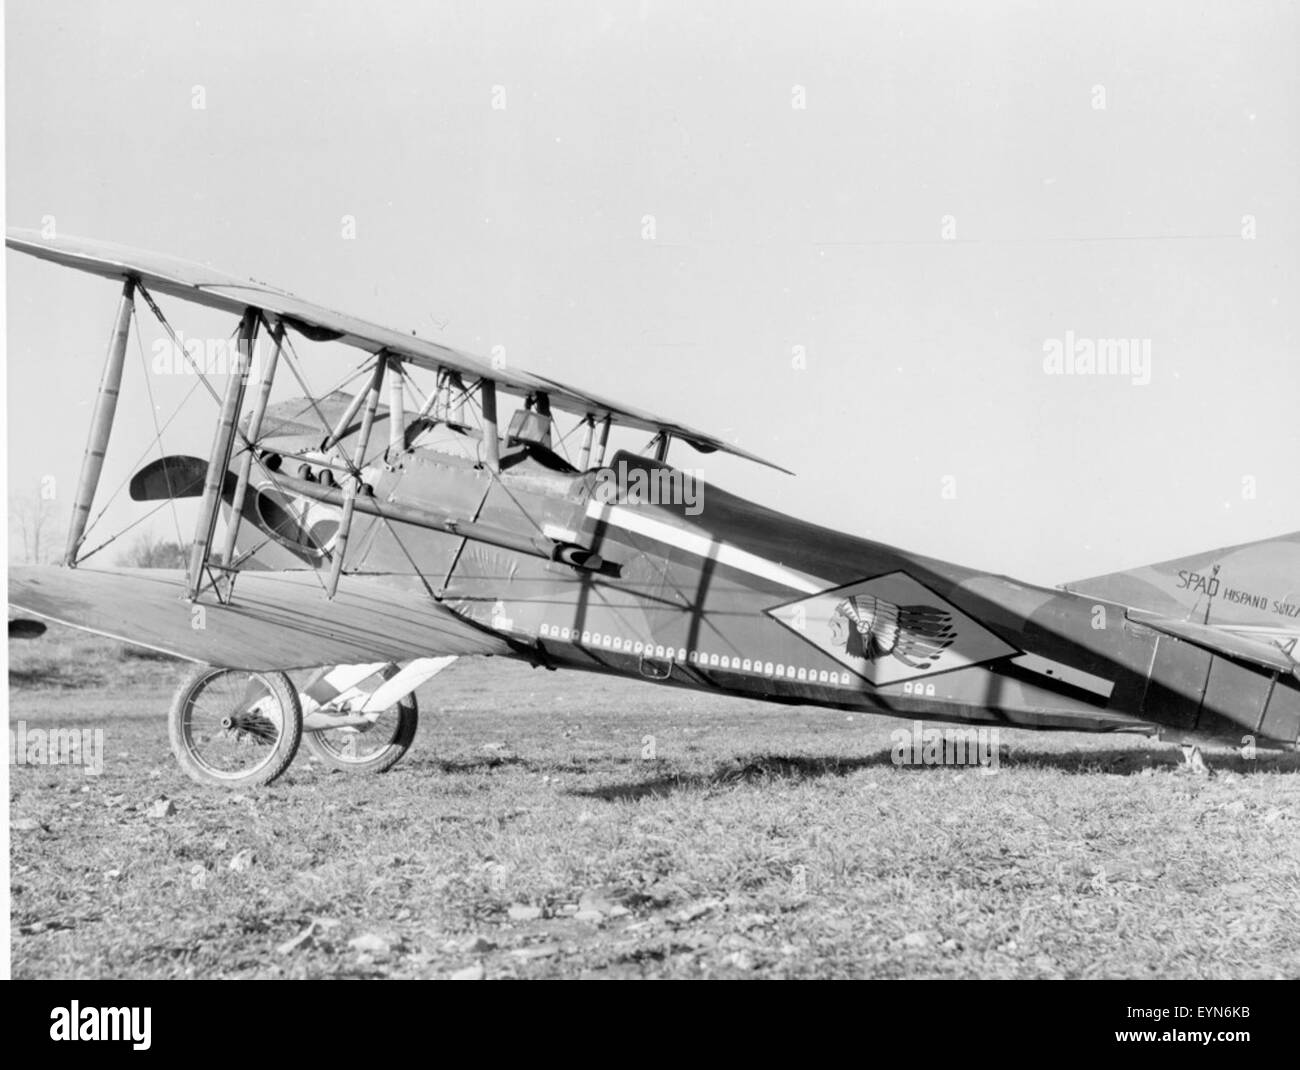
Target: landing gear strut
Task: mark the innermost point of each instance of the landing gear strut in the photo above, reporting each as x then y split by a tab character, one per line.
233	728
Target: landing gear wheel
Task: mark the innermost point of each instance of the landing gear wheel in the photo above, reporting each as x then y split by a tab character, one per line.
372	749
235	729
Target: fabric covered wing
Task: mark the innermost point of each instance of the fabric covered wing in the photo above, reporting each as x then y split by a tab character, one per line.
215	289
279	620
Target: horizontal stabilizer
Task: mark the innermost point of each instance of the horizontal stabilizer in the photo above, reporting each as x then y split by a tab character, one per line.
1221	642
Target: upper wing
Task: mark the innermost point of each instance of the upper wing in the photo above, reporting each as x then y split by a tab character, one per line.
279	620
215	289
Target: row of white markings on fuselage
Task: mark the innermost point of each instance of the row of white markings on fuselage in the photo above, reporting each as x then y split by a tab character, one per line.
630	519
700	658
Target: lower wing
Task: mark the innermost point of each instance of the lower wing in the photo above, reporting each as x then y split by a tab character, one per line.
279	620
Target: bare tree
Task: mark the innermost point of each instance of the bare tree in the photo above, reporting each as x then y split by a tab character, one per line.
153	551
32	517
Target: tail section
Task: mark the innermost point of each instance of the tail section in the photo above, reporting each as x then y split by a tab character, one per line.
1251	588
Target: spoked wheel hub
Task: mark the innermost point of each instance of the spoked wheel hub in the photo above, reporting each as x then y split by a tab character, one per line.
234	728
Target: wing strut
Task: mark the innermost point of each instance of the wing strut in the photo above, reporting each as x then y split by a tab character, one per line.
661	444
588	435
396	410
254	429
491	442
223	443
341	425
453	396
101	426
354	483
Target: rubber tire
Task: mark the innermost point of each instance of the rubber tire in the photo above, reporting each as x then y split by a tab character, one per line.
281	688
408	720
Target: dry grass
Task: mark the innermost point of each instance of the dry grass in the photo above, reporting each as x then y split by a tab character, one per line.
525	836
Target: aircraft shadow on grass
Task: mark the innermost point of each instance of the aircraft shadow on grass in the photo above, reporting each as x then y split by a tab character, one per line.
1113	761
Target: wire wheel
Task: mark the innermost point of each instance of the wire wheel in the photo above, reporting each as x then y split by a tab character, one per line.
235	729
370	749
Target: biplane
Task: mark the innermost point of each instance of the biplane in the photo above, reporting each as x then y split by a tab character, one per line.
374	536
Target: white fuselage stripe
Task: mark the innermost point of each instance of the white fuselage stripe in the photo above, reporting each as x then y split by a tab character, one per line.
1066	674
629	519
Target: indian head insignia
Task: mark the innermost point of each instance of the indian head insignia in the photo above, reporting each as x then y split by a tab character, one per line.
891	628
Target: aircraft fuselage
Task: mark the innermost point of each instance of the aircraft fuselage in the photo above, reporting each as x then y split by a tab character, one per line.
713	592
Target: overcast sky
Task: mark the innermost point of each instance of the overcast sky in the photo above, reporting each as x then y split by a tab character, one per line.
914	201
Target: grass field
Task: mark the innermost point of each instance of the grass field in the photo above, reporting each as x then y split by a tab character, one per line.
526	835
